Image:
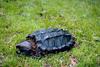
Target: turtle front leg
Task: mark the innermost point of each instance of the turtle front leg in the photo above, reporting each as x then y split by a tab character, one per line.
37	54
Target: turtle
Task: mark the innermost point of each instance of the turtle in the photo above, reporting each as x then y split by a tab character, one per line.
46	41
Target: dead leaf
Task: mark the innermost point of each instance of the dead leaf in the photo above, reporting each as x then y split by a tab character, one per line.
63	65
46	64
73	61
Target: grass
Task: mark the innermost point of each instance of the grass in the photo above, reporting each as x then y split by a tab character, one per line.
18	18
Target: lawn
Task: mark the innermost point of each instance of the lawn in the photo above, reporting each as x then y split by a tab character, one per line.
18	18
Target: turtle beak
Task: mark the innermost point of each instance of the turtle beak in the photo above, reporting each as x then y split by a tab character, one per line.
23	47
18	46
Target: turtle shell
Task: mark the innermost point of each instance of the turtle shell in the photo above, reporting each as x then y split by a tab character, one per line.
52	39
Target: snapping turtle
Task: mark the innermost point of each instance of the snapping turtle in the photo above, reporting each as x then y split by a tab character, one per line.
46	41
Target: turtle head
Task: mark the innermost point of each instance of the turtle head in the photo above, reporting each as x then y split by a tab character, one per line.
26	47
